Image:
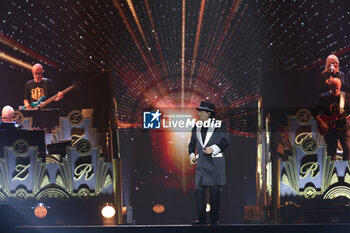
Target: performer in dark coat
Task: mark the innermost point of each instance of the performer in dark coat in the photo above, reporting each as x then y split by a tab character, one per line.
210	140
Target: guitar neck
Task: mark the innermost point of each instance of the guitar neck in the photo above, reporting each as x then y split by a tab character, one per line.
52	98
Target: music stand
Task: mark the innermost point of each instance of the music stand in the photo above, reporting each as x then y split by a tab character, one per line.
43	118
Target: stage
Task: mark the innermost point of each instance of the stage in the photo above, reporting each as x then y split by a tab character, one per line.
237	228
131	77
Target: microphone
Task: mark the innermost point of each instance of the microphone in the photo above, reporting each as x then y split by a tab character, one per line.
332	68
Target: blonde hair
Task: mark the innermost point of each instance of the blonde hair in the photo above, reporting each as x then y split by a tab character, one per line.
328	63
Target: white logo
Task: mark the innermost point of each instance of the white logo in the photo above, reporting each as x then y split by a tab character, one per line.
151	120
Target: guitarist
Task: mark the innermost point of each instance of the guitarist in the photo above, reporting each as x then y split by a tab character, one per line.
331	113
39	87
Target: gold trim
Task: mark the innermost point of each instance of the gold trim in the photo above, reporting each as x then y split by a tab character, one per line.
338	191
71	114
303	116
59	181
52	193
347	178
291	176
334	179
310	192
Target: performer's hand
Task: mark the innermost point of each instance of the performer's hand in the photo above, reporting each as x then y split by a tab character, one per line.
324	127
59	96
208	150
28	106
322	123
193	161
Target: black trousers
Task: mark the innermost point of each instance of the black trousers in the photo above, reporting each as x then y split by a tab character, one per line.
214	200
331	140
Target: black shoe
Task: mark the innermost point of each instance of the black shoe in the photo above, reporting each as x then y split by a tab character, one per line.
198	222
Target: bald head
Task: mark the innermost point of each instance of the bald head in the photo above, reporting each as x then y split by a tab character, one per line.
335	86
7	113
37	71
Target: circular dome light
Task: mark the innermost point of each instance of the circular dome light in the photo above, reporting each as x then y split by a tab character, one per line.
40	210
108	211
158	208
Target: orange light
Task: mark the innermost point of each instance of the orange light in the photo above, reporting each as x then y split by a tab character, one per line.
40	210
158	208
124	209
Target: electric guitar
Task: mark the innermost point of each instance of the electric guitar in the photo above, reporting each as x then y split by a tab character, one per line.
41	104
36	103
334	123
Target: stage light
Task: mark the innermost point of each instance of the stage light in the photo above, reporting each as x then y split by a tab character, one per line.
108	211
124	210
40	210
158	208
14	61
208	208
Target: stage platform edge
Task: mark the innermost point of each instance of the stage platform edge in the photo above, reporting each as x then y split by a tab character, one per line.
236	228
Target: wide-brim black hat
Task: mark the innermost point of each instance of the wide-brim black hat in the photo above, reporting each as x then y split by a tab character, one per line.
206	106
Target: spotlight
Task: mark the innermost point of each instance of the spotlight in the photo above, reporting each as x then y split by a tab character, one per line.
207	209
108	211
40	210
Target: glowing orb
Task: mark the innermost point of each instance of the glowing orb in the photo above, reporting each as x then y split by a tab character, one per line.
40	210
158	208
108	211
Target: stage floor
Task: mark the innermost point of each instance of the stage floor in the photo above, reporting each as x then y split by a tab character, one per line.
236	228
